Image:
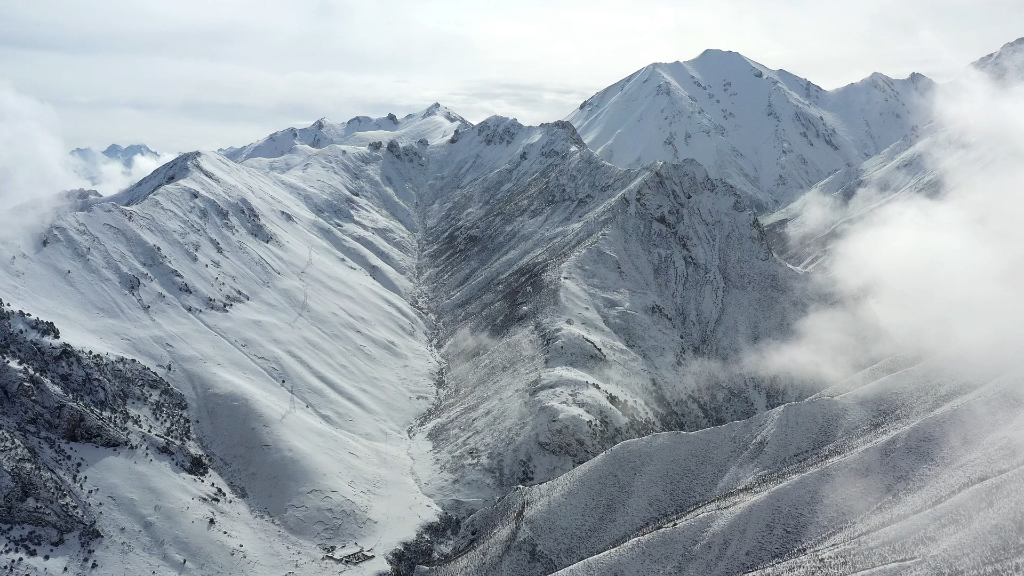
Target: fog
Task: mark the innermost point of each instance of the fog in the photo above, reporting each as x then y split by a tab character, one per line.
35	166
937	274
33	160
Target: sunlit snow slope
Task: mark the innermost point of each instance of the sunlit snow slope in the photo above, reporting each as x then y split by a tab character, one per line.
768	132
279	304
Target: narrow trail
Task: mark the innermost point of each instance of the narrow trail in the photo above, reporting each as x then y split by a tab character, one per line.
305	289
387	490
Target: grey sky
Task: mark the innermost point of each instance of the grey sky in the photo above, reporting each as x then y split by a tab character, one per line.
194	74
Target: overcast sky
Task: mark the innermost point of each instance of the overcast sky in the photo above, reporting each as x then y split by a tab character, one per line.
188	74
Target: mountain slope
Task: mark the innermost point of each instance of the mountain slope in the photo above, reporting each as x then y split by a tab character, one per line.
576	302
891	472
278	310
307	304
1005	65
65	408
769	133
950	152
803	232
911	467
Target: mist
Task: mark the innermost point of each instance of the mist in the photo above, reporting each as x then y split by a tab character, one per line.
935	274
108	176
33	160
35	166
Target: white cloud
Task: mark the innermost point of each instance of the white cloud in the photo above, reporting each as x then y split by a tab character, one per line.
35	165
108	176
941	275
189	74
32	155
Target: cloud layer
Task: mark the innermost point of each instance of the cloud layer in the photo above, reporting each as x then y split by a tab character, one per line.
35	165
938	275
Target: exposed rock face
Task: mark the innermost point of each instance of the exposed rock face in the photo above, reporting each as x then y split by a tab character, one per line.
54	397
580	304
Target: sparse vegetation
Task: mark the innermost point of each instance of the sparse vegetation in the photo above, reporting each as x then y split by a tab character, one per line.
432	542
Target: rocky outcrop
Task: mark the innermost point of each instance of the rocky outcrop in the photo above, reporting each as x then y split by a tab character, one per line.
53	397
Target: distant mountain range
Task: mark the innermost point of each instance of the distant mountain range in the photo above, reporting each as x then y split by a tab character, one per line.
124	155
116	166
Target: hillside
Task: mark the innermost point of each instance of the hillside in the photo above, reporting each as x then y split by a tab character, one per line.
341	320
890	472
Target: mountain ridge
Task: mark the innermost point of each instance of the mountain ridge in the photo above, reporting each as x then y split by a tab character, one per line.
486	348
358	263
768	132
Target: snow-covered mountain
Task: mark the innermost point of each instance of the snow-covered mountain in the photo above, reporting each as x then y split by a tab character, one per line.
430	126
575	301
489	349
770	133
804	231
890	472
909	467
125	155
291	341
61	404
309	304
1005	65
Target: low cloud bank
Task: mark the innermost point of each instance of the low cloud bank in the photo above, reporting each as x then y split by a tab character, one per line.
35	165
33	159
937	274
109	176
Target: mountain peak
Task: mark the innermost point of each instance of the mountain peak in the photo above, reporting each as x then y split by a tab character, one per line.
437	109
1005	64
772	133
724	62
125	153
714	55
569	130
436	123
171	172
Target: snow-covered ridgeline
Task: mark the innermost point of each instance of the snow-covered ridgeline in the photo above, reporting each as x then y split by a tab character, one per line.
770	133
